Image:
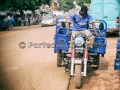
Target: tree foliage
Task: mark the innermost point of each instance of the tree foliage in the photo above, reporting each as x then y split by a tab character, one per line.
13	5
81	2
66	4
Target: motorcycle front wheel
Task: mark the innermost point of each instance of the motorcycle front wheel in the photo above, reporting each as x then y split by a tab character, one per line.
78	77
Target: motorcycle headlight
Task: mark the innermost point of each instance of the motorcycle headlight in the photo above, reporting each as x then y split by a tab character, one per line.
79	41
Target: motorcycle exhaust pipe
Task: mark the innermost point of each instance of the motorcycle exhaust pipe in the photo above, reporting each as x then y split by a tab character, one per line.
73	56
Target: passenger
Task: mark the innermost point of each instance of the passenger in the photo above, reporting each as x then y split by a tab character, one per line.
80	20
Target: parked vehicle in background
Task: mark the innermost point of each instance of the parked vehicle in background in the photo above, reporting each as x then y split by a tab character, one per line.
4	22
48	20
37	19
22	22
108	10
63	18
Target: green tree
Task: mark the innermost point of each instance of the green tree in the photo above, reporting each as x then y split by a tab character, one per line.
14	5
81	2
88	1
66	4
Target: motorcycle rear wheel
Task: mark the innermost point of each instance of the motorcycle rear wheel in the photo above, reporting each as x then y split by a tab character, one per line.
97	60
59	60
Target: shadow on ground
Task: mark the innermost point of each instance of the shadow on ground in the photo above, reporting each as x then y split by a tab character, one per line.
113	35
4	81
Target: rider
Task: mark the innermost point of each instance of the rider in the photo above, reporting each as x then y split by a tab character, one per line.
80	20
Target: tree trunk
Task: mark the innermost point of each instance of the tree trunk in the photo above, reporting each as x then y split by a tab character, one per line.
21	14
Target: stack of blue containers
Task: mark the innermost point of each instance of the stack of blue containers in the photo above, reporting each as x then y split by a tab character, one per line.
117	60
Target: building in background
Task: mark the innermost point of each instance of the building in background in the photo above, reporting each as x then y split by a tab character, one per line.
54	5
44	7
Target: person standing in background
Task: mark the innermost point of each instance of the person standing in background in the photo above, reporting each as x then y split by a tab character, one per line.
12	21
29	21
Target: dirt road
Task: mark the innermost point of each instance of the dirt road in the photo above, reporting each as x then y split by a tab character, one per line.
105	78
30	68
34	67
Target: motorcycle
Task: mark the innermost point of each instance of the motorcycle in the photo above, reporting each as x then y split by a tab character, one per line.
80	59
82	56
